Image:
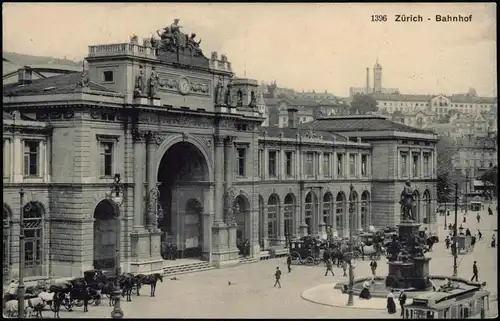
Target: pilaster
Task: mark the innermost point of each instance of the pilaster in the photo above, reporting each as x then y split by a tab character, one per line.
152	178
139	161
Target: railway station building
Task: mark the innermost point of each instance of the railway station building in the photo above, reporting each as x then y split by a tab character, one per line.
195	168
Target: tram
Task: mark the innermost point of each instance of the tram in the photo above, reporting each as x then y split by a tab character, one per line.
470	303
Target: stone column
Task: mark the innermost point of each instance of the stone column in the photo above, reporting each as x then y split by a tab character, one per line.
152	178
139	161
219	180
321	226
228	172
333	215
421	164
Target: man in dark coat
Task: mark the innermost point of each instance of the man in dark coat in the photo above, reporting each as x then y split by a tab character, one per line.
329	267
474	272
289	263
373	267
277	276
402	301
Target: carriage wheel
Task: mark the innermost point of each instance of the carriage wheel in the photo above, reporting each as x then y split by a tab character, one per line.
296	259
97	301
309	260
79	303
69	306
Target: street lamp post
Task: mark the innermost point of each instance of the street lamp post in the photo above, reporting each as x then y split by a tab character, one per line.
21	289
116	188
445	206
455	234
350	301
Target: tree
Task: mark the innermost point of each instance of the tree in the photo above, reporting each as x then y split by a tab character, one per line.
363	104
446	175
490	178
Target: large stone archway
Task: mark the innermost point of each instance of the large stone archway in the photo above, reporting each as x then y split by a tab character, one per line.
184	185
106	215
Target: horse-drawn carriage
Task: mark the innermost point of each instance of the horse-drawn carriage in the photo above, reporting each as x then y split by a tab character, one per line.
305	251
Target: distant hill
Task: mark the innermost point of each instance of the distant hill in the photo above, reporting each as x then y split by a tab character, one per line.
12	61
27	60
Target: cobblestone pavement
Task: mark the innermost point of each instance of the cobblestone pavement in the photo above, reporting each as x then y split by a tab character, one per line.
207	294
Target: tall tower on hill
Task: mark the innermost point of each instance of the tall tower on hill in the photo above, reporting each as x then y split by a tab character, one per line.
377	78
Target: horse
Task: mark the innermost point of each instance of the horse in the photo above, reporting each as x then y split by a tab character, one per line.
431	240
373	251
151	279
337	254
32	308
127	282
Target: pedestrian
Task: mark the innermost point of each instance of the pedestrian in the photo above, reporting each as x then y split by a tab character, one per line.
448	213
402	301
493	241
56	304
277	275
478	218
391	305
329	267
86	298
289	263
465	219
490	212
479	234
344	267
373	267
467	232
474	272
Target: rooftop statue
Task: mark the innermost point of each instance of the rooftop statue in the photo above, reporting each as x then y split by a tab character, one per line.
172	39
407	202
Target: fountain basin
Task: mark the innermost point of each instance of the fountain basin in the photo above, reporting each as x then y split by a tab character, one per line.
380	290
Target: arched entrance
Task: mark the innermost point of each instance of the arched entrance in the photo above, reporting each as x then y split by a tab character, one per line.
241	208
262	241
184	178
106	215
365	210
311	209
6	241
193	228
416	208
273	218
289	214
427	207
353	219
327	208
33	238
340	211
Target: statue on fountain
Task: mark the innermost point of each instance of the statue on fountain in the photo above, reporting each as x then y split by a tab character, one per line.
407	202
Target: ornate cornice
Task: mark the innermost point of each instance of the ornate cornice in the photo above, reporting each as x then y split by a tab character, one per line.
219	140
138	135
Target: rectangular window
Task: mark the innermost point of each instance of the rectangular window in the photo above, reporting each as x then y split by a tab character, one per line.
340	165
272	163
108	76
427	169
364	165
352	165
326	165
289	163
415	165
31	158
309	164
404	164
106	168
241	161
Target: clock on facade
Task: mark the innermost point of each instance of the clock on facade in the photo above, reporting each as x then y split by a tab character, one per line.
184	86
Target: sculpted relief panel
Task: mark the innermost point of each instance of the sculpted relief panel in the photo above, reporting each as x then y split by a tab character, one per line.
185	85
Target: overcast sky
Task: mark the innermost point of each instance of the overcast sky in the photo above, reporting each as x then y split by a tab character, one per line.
302	46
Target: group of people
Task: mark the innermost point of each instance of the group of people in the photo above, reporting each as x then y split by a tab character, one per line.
391	303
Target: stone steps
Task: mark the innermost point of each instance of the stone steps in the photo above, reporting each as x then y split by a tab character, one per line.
187	268
246	260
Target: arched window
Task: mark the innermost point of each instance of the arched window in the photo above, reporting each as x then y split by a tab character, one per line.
339	217
427	207
327	208
365	210
354	216
309	207
261	222
6	241
289	215
272	217
33	241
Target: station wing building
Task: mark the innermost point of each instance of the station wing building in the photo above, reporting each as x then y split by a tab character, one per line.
195	168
